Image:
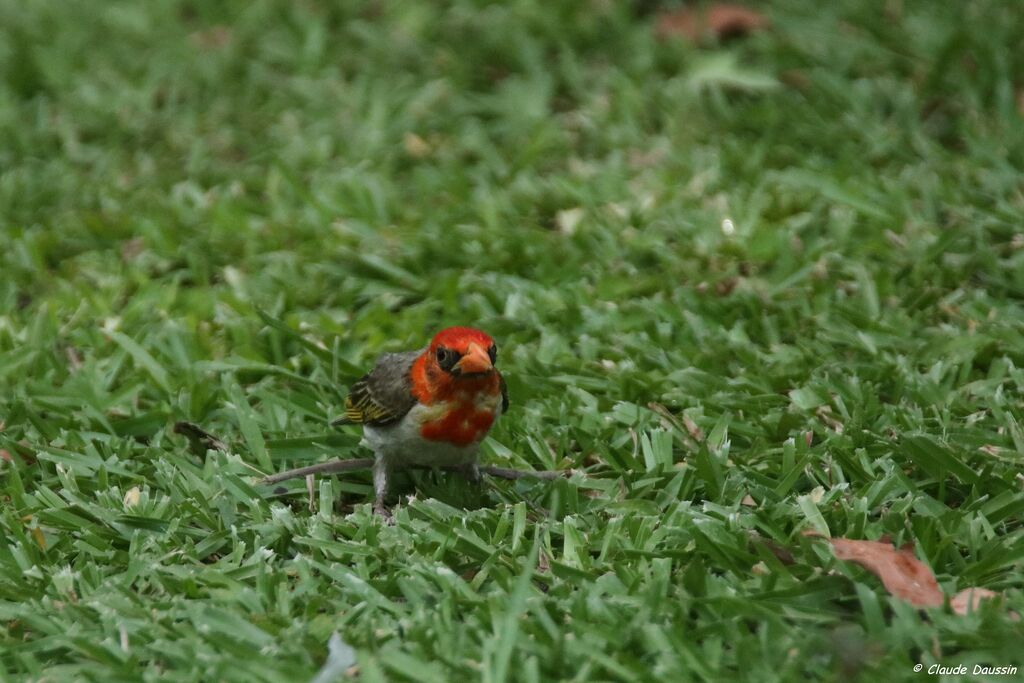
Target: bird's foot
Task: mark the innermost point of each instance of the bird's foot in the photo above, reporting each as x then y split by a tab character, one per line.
379	508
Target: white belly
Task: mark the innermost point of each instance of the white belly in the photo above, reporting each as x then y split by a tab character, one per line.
401	445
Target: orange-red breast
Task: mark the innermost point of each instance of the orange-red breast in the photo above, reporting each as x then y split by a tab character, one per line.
431	407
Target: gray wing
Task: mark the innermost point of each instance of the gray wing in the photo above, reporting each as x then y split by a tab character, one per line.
384	395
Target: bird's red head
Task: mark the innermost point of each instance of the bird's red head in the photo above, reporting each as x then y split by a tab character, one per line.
462	351
457	372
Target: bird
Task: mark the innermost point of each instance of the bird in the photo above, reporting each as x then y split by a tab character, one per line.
431	407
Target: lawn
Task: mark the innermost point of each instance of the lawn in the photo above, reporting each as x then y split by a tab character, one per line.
743	290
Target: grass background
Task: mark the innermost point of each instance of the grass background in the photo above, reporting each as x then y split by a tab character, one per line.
849	358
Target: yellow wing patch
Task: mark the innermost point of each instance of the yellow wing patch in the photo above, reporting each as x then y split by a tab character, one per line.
361	407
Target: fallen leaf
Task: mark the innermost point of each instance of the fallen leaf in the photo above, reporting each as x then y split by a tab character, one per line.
905	576
720	21
902	574
969	599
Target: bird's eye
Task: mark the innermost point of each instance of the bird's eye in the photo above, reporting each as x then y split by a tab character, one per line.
446	358
493	353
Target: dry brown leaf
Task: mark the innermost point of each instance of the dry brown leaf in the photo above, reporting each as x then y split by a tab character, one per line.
721	21
969	599
905	576
902	574
5	455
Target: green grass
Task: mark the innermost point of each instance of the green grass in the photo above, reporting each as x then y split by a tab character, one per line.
852	357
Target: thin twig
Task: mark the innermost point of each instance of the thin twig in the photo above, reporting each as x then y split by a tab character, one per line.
336	466
200	437
506	473
329	467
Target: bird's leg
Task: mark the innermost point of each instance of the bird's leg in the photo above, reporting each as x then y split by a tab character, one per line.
380	489
471	472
